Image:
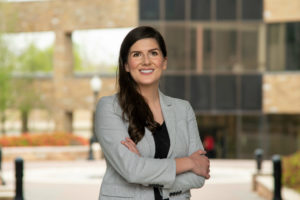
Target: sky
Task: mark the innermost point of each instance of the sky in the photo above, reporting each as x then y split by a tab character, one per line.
96	46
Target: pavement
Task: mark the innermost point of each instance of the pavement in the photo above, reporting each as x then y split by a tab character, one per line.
81	180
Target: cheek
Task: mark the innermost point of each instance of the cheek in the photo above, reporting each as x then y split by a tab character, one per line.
132	64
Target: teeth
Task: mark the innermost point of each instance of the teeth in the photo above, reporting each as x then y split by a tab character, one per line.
147	70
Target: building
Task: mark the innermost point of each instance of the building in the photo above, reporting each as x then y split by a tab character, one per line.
238	63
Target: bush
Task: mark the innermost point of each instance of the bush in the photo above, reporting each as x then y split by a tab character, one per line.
291	171
55	139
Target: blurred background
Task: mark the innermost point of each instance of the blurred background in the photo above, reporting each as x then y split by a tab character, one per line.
236	61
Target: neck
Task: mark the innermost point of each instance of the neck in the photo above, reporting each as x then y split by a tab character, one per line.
150	93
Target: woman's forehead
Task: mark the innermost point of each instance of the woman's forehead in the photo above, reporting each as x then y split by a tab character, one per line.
145	44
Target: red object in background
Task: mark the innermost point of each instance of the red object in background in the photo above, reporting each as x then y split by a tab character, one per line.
209	143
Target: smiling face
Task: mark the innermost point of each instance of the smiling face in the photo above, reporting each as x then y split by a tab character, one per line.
146	62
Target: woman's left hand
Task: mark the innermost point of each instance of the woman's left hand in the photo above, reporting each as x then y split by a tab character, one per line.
131	146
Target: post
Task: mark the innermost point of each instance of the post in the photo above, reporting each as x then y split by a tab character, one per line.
93	137
19	165
0	159
277	171
2	182
91	153
259	158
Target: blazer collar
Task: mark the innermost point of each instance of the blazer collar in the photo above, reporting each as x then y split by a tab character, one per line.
170	119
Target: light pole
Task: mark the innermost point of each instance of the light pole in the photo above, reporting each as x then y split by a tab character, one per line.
96	84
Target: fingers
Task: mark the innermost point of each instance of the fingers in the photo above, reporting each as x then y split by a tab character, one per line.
130	145
201	152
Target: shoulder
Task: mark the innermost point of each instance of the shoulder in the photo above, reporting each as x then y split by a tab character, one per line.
181	107
108	104
108	99
176	102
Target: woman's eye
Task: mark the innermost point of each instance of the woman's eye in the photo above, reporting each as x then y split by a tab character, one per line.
137	54
154	53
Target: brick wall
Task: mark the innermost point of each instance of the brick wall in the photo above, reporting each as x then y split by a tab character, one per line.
281	93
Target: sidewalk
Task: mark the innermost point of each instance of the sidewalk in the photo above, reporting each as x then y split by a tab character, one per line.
80	180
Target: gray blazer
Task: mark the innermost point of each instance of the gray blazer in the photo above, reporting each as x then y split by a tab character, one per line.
129	176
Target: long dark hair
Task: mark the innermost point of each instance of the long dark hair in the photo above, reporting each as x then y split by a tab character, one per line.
135	109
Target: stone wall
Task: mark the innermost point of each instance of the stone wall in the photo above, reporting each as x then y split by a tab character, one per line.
69	15
281	93
77	92
281	10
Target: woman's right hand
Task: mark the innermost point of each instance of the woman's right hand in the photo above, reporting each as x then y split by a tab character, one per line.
201	164
131	146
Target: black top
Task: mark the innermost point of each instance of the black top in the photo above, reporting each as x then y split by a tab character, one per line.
162	146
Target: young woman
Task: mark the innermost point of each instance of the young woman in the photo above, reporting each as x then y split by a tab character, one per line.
150	141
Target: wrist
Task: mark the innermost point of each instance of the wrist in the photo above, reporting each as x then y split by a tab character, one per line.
190	163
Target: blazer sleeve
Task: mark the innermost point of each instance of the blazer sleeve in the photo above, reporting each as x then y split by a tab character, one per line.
110	131
189	180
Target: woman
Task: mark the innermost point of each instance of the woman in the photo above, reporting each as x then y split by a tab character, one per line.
150	141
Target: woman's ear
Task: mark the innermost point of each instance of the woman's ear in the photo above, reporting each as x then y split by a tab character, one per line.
165	63
126	67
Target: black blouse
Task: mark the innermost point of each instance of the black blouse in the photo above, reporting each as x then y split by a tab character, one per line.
162	146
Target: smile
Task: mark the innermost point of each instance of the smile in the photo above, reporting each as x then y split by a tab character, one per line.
146	71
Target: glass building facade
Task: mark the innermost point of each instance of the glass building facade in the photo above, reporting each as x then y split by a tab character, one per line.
218	53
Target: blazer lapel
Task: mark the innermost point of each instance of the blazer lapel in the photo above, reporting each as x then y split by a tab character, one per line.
170	119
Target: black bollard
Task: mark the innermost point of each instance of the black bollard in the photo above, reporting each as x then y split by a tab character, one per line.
259	158
277	177
2	180
19	166
0	159
91	153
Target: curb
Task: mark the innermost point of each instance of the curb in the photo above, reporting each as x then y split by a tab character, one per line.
50	153
263	185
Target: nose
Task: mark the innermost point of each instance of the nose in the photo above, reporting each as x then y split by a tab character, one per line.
146	60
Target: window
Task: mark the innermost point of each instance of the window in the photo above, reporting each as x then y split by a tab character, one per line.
200	92
275	47
252	9
200	9
251	92
225	57
207	49
225	92
249	48
175	41
149	10
173	85
175	9
226	9
283	46
292	46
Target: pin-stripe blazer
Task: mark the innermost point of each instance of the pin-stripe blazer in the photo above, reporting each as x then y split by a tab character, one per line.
129	176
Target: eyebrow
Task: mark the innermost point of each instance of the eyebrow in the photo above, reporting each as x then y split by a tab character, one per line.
148	50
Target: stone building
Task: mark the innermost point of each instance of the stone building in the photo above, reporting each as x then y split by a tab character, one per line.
238	63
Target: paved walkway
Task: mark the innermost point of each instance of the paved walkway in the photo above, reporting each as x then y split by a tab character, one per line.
80	180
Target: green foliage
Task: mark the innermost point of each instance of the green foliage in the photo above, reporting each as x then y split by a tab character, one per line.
6	66
35	60
291	171
77	59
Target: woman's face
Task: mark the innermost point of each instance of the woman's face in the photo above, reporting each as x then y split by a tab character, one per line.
146	62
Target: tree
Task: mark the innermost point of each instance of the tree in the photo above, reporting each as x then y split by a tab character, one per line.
26	96
35	60
25	99
6	66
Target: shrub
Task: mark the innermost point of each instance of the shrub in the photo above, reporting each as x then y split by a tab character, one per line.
55	139
291	171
